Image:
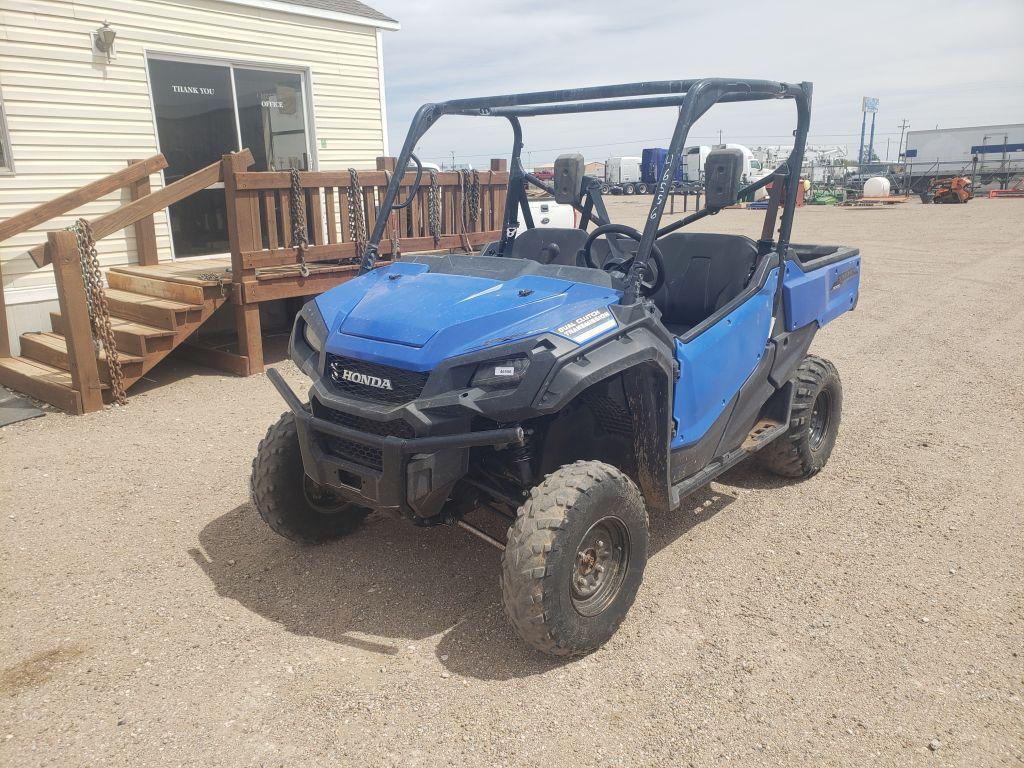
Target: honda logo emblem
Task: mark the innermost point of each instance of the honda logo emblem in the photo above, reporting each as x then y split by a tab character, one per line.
343	374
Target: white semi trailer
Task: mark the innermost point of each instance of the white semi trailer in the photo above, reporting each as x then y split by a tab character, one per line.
986	150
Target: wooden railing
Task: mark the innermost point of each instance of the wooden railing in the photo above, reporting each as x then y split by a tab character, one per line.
135	177
61	250
264	263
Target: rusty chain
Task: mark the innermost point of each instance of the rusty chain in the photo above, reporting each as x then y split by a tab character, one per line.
434	208
99	310
356	214
297	207
474	198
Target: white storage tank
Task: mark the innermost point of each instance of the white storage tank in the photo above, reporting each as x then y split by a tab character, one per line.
876	186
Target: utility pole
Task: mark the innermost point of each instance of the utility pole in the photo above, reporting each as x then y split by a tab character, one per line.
719	135
903	128
453	159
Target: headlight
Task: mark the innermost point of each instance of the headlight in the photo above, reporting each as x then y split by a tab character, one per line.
311	338
501	374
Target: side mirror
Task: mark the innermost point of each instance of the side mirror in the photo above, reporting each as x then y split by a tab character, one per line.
722	174
568	182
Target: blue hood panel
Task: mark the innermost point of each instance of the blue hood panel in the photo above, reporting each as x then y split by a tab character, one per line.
405	316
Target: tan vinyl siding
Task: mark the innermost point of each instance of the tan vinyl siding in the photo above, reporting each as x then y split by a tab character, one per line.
74	118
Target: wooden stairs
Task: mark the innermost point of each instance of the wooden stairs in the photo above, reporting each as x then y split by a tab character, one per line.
151	316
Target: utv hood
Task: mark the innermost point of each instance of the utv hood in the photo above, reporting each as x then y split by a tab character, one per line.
404	315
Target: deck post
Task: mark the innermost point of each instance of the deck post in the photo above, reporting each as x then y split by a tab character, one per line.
244	236
5	340
82	360
498	195
145	230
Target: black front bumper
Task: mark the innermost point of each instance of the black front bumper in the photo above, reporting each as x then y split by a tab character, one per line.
416	475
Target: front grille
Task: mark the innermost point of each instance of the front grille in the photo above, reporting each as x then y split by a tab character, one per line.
364	455
371	381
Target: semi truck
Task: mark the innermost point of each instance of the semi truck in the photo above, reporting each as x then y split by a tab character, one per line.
640	175
622	176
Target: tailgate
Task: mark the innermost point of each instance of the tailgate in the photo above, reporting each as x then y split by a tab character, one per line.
820	288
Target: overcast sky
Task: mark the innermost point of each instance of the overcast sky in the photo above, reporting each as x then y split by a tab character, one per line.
935	63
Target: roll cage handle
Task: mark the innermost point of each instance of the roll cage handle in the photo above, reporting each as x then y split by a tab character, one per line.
396	206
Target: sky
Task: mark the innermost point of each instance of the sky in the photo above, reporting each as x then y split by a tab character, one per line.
934	64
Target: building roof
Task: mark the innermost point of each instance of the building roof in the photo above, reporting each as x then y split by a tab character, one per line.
352	7
350	11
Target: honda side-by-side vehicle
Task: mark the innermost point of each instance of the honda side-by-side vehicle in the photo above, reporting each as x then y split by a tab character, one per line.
568	381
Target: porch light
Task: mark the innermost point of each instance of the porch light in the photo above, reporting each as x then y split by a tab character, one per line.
103	39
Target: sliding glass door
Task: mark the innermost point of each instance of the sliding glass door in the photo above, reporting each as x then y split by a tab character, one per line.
206	110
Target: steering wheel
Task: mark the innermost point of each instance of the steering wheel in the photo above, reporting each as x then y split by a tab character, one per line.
397	206
620	267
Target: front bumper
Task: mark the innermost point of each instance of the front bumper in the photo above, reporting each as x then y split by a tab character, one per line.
416	474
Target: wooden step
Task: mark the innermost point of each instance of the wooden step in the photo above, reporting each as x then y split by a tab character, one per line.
51	349
149	310
161	289
41	381
134	338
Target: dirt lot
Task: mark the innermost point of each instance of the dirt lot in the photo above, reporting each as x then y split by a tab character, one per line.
150	618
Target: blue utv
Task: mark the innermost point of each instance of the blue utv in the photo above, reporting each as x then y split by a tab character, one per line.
565	381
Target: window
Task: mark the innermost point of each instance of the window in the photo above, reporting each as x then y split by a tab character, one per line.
204	111
6	161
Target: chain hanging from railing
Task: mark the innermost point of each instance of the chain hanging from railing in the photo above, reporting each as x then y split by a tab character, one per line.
300	234
469	185
434	208
356	214
99	310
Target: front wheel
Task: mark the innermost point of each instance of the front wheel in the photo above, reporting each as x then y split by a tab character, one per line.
575	558
290	502
813	424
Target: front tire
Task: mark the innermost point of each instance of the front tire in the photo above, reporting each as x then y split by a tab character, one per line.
575	558
813	424
288	500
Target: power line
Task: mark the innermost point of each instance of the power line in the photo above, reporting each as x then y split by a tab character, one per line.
660	139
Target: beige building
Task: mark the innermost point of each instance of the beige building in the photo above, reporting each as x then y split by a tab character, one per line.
298	82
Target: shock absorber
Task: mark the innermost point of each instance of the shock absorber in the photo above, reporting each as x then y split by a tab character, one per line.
522	458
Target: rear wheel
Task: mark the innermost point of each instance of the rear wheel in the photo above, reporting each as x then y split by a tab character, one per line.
575	558
641	189
814	422
288	500
628	189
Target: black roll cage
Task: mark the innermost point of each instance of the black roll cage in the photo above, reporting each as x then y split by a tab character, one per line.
692	97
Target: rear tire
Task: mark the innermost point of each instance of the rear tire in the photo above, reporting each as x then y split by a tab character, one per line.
575	558
628	189
288	501
813	424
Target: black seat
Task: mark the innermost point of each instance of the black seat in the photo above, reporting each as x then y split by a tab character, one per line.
704	272
549	245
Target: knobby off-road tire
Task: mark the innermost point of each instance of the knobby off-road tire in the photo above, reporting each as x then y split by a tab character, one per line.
813	424
288	501
582	516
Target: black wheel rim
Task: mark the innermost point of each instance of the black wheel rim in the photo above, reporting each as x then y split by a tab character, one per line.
599	568
321	498
821	418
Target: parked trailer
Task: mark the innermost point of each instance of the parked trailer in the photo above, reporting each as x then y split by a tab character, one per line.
987	153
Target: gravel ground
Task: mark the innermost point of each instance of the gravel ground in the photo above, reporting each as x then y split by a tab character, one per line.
872	615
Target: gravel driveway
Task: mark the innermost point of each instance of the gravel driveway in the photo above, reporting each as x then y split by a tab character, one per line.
871	615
